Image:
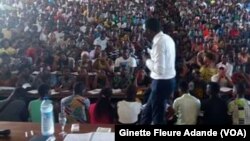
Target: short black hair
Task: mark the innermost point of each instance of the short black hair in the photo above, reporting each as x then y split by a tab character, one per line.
131	93
240	88
183	85
153	24
43	90
214	88
79	87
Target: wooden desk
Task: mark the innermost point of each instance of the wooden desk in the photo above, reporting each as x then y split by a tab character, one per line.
18	130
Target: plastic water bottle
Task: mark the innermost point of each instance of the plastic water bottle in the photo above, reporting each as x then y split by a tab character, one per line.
47	119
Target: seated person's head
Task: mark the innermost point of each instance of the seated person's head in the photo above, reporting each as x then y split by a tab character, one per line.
103	55
131	93
239	89
103	35
79	88
106	93
208	58
125	53
213	89
196	74
43	90
183	87
66	71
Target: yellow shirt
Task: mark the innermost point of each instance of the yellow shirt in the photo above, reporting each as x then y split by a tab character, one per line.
207	73
2	51
10	51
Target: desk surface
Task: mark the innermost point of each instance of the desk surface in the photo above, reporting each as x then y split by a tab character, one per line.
5	93
18	130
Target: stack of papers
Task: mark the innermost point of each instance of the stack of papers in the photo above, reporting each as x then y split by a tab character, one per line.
93	136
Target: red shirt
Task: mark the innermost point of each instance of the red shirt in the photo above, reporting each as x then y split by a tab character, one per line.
234	33
107	119
31	52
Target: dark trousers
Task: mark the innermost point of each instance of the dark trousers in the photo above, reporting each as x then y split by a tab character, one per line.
154	111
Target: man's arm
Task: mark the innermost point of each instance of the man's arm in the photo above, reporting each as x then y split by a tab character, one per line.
157	66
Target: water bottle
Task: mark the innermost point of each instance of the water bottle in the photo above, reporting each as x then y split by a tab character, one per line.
47	119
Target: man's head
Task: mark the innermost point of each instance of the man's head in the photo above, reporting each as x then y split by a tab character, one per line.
103	35
213	89
43	90
98	49
224	58
79	88
153	27
183	87
125	53
222	70
208	58
239	89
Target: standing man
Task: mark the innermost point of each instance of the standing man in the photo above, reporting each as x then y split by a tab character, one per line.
161	63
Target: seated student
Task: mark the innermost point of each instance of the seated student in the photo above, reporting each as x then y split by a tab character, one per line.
128	110
123	80
126	60
76	106
14	108
102	112
239	108
186	107
101	80
85	62
214	108
44	77
35	105
102	62
6	78
66	81
142	79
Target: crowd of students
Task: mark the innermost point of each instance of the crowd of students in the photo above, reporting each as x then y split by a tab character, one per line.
85	45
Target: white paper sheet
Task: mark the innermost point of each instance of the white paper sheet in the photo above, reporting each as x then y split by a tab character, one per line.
6	88
97	91
78	137
93	136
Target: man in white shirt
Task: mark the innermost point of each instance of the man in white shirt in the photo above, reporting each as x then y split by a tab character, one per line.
101	41
162	67
186	107
229	67
222	78
126	61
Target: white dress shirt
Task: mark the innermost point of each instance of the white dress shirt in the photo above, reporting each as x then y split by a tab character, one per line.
187	109
162	62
